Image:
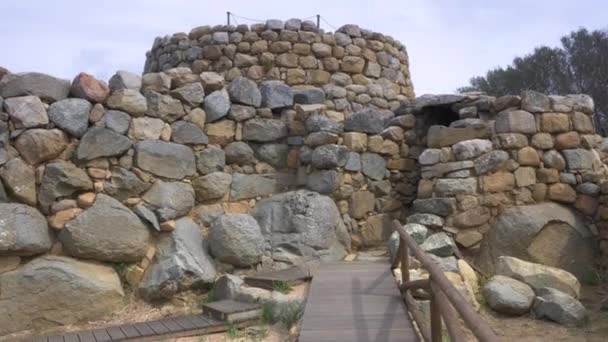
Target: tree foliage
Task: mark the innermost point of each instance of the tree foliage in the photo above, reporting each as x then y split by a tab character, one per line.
580	65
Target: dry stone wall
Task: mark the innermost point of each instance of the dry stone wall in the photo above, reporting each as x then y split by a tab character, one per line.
174	177
523	176
375	65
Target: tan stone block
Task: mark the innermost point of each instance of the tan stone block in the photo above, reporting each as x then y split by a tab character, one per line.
167	226
528	156
468	238
389	147
296	76
62	217
539	192
308	62
317	77
221	132
542	141
425	188
567	140
582	122
401	164
560	192
472	217
361	202
9	263
355	141
301	49
374	143
376	229
133	275
498	182
555	122
547	176
293	158
241	207
586	204
352	64
525	176
86	199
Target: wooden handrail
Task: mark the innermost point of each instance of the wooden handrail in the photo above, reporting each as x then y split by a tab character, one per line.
443	293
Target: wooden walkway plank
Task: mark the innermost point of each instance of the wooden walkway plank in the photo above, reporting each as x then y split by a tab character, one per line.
116	334
144	329
86	336
71	337
129	331
171	325
355	301
101	335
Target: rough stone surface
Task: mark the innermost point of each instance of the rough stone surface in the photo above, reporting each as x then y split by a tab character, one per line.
183	132
170	200
125	80
26	111
61	179
52	291
227	287
214	185
559	307
428	220
439	244
276	94
515	121
507	295
490	161
165	159
240	153
71	115
20	181
117	121
217	105
323	181
368	121
250	186
264	130
373	165
470	149
46	87
129	101
538	276
300	225
124	184
519	228
107	231
181	263
87	87
23	231
236	239
329	156
244	91
102	142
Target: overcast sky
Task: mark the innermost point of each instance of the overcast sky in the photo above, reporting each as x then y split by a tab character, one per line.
448	41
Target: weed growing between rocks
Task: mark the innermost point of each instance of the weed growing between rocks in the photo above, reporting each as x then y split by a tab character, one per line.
281	286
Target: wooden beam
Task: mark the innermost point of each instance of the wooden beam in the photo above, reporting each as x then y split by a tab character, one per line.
410	302
415	284
436	333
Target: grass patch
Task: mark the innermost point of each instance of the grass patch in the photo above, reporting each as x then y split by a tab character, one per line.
211	296
289	313
281	286
232	331
268	313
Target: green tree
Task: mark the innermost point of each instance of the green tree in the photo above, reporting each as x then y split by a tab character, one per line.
580	65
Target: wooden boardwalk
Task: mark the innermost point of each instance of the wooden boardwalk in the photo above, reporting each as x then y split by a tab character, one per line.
355	301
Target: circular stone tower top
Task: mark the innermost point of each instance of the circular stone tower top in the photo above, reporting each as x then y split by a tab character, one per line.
375	66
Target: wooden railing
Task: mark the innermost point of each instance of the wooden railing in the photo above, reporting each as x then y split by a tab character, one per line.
446	302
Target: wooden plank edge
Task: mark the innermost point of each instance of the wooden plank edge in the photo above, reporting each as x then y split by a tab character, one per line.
212	329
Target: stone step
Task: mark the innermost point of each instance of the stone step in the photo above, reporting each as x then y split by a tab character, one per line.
232	311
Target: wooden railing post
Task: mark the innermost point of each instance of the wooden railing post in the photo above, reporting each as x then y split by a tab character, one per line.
436	334
405	261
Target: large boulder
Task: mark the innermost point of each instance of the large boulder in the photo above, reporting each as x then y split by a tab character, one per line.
102	142
236	239
559	307
165	159
39	145
302	224
170	200
52	290
107	231
546	233
23	231
507	295
181	263
87	87
61	179
71	115
538	276
46	87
